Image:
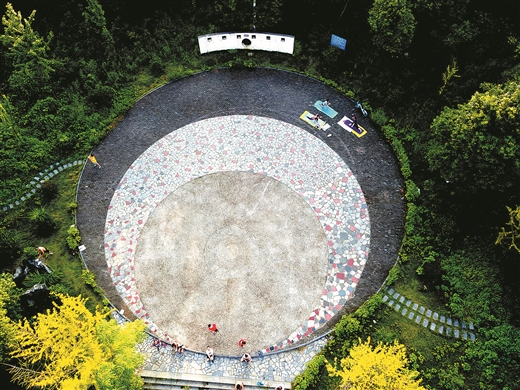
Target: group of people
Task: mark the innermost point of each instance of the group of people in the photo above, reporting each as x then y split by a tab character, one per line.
176	347
316	118
246	357
325	103
210	354
159	343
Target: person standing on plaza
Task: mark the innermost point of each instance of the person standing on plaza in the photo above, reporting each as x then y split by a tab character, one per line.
354	119
241	342
210	354
212	328
239	386
93	160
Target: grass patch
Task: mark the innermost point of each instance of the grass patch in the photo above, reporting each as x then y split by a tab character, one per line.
409	285
393	326
61	207
146	82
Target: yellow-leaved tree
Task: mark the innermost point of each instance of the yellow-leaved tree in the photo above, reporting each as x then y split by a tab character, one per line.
511	236
68	347
7	330
117	371
383	367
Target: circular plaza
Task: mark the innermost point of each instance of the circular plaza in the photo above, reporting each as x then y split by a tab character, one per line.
216	203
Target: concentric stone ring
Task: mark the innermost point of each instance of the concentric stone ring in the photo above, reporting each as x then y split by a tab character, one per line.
260	92
229	147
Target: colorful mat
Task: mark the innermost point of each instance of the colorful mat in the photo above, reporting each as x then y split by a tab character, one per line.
327	110
320	124
348	124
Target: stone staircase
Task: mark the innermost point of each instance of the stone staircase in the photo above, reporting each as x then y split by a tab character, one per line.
162	380
428	318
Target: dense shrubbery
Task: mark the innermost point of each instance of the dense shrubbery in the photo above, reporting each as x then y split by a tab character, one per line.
42	221
73	238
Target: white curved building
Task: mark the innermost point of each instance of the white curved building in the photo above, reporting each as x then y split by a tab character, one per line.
248	41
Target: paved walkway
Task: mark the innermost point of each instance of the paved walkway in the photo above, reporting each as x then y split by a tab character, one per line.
161	156
277	367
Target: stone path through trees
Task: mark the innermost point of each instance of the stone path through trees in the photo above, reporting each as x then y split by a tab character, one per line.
428	318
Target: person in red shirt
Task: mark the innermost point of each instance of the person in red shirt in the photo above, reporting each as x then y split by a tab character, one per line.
212	328
241	342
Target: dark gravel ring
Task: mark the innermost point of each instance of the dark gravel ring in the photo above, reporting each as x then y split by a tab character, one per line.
258	91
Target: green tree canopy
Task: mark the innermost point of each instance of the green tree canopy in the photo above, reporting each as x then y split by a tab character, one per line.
117	370
15	142
241	15
97	42
496	358
234	14
477	145
268	14
393	25
27	54
511	236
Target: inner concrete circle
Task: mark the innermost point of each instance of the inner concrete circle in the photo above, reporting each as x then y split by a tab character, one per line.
209	250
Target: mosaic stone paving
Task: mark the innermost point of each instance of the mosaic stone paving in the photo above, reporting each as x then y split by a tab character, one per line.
250	144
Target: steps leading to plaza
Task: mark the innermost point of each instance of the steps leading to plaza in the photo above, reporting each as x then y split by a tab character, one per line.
160	380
